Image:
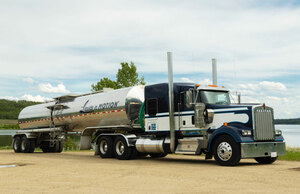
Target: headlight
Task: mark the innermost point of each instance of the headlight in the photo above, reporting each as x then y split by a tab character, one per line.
278	132
246	132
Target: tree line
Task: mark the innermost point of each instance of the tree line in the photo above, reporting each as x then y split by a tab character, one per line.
11	109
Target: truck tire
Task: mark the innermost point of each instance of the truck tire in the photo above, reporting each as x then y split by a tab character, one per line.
158	155
47	149
265	160
105	145
32	145
59	147
226	151
25	145
121	150
17	144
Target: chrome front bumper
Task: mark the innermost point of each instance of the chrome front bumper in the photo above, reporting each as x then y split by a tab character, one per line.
262	149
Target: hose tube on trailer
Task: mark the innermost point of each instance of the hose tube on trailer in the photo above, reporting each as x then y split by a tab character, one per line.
142	116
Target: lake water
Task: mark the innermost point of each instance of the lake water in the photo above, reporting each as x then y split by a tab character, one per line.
291	134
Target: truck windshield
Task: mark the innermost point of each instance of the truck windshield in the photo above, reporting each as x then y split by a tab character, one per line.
215	97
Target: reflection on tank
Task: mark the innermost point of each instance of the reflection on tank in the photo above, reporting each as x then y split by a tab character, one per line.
112	108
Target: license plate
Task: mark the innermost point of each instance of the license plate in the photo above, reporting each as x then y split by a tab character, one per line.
273	154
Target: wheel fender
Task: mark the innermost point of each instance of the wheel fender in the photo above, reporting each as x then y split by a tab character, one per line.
130	139
28	135
228	130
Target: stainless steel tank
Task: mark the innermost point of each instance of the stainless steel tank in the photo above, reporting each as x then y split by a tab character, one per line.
112	108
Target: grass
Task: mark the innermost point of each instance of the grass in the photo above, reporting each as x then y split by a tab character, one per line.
5	148
9	124
292	154
8	121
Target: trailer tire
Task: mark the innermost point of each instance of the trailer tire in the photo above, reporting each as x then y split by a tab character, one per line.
48	149
45	149
25	145
121	150
226	151
17	144
59	146
32	145
105	145
265	160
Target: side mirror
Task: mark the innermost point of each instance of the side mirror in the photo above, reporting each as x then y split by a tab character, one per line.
189	98
199	115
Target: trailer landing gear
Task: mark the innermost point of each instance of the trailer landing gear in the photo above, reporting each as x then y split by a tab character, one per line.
57	148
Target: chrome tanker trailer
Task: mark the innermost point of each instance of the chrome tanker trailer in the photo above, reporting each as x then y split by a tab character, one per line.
45	125
155	120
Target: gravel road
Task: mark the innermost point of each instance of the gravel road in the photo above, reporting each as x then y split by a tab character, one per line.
82	172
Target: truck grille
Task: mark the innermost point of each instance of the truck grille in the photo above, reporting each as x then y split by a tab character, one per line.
263	123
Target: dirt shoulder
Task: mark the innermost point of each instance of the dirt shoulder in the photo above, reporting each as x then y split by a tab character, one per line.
82	172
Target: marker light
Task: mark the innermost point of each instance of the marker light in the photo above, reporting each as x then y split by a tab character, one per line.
225	124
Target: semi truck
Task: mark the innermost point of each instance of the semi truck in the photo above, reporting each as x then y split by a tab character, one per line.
155	120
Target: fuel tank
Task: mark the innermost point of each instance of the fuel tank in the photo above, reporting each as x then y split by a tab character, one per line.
75	113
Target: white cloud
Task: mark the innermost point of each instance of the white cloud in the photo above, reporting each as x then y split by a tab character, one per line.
28	97
28	80
264	85
48	88
205	82
251	36
251	41
185	79
37	98
273	86
10	98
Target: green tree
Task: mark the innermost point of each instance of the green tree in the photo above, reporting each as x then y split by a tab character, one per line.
104	83
126	77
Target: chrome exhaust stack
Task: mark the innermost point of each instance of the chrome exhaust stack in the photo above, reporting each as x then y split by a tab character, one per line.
214	71
171	103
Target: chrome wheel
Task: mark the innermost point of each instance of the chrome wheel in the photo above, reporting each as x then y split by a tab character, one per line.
103	147
224	151
120	148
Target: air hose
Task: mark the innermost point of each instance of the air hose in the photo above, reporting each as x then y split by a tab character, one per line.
142	116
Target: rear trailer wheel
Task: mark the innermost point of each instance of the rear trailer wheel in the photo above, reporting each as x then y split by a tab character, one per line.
32	145
121	150
17	144
25	145
105	145
60	147
265	160
226	151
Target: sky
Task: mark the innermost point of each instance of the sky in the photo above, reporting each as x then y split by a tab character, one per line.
51	48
